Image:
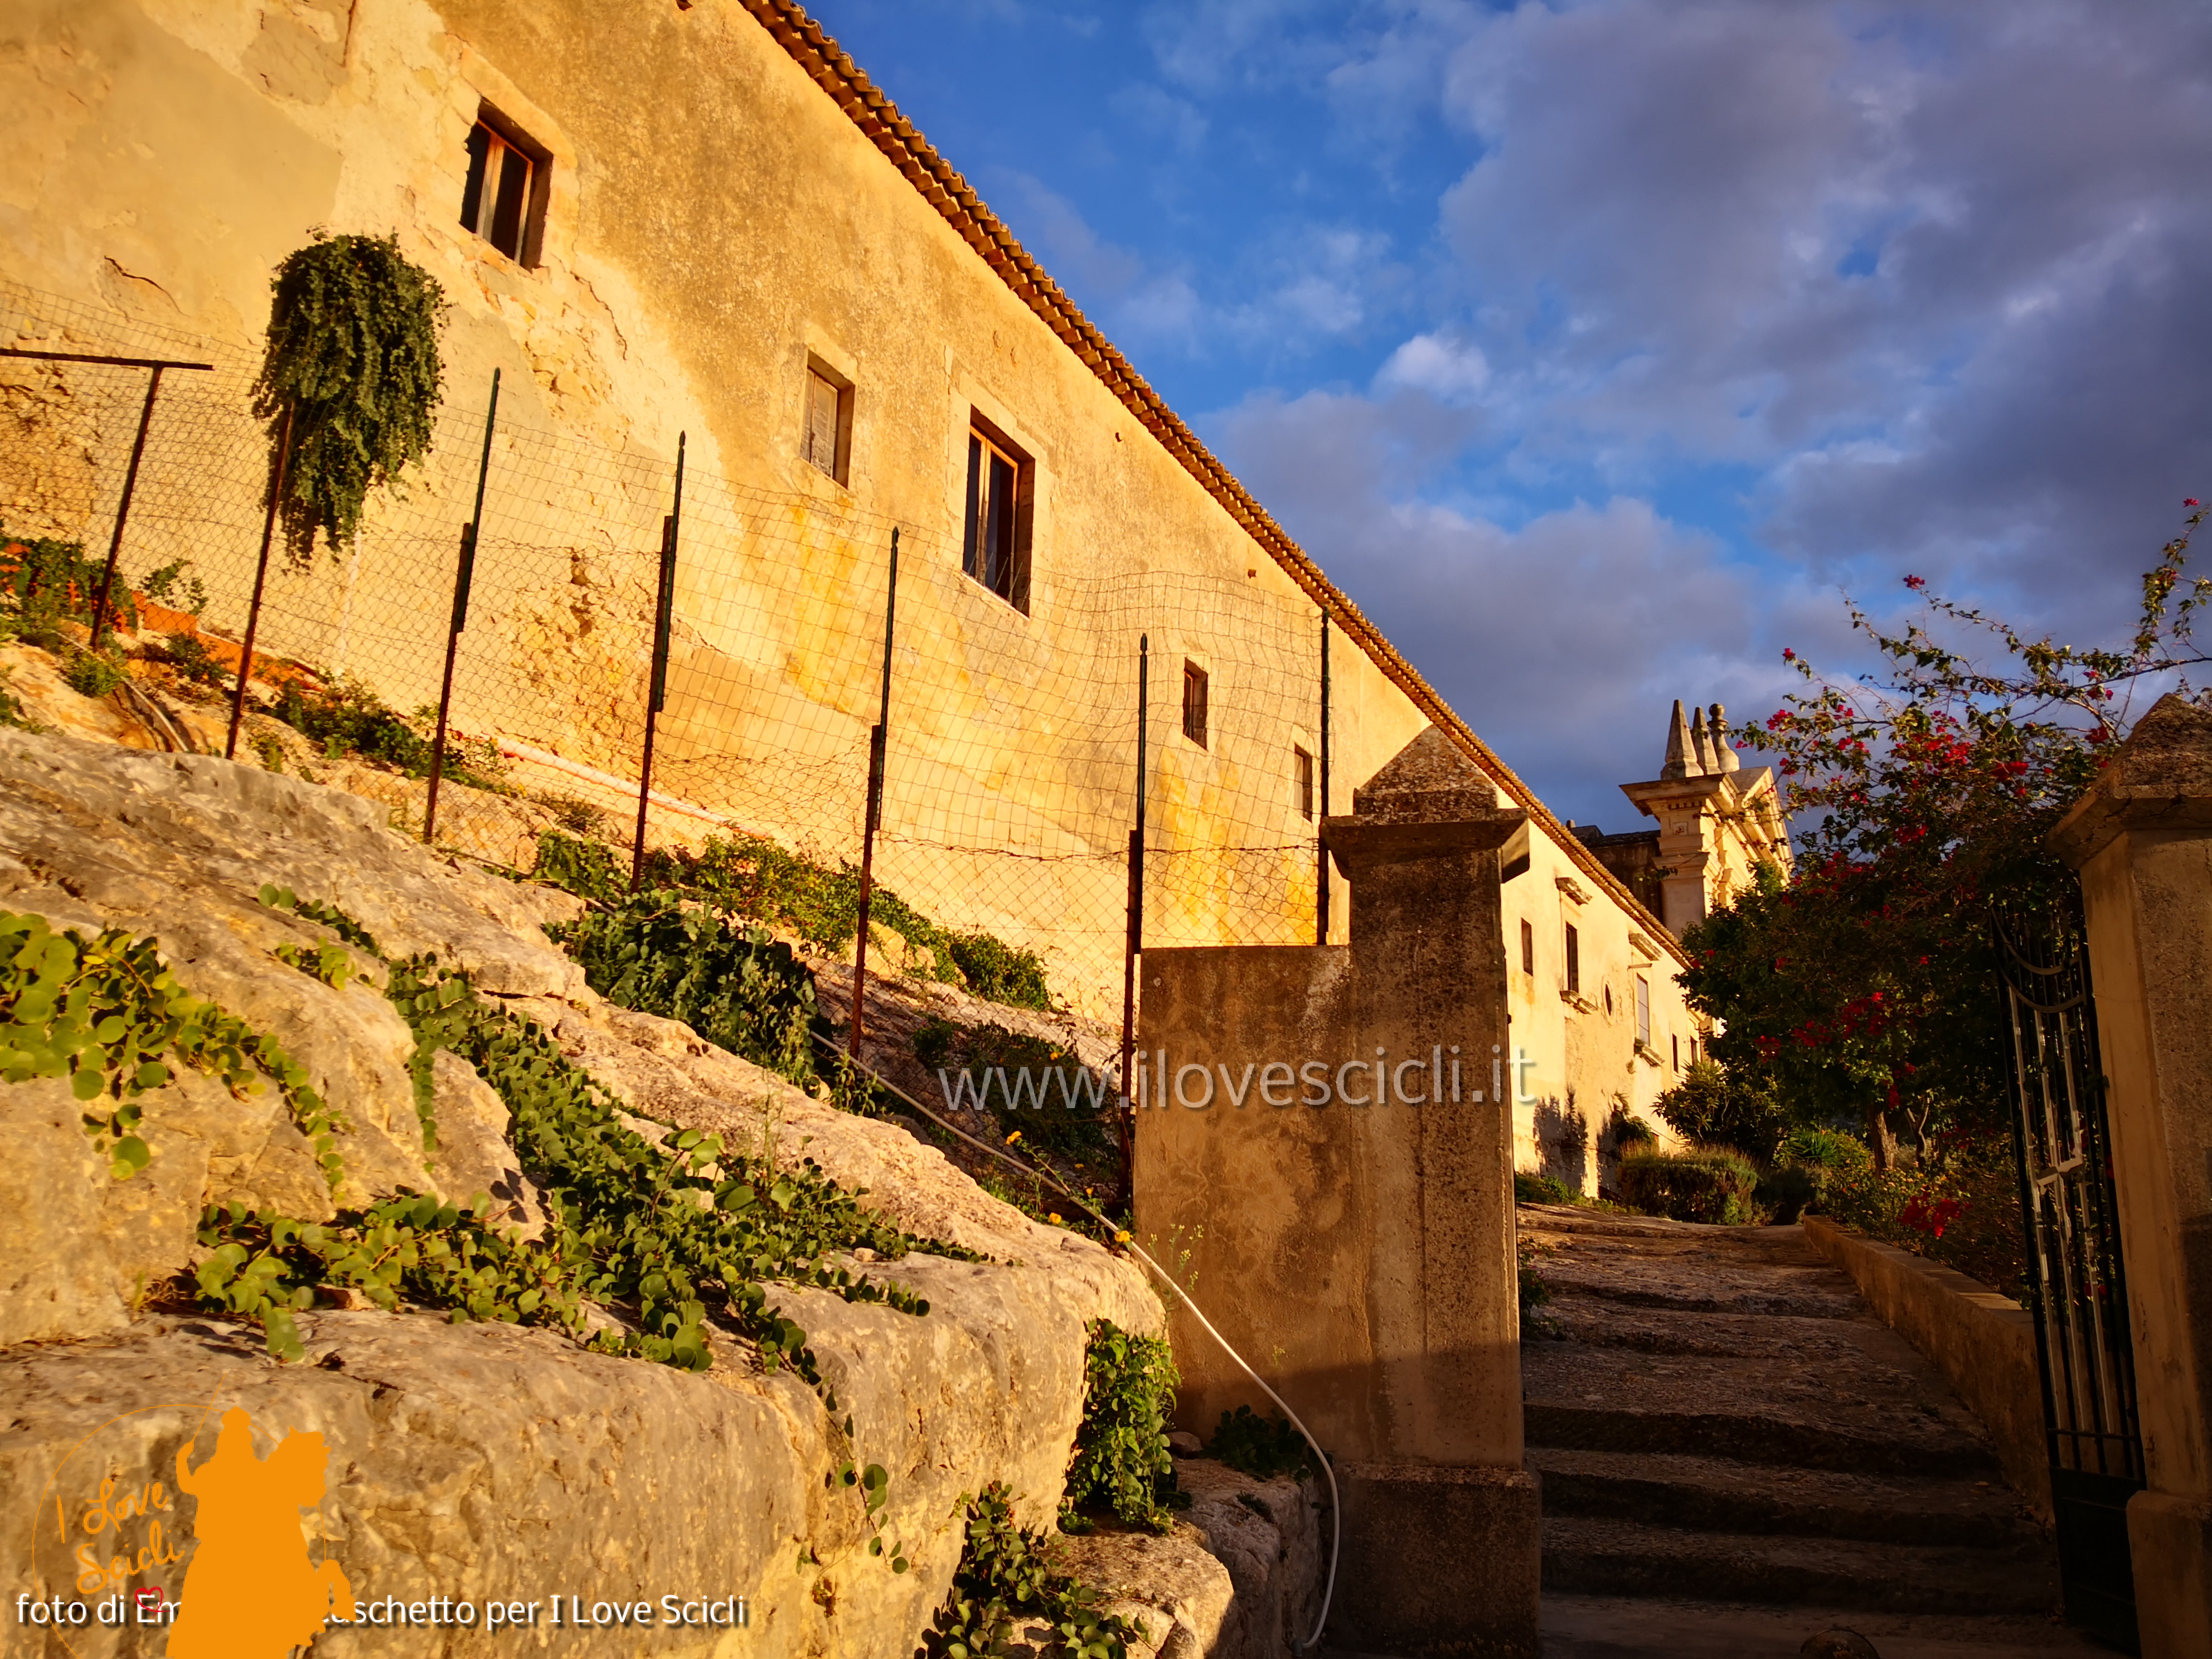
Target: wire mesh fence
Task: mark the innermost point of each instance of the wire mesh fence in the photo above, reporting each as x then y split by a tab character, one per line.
1012	762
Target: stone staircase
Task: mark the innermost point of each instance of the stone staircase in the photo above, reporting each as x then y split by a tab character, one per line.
1717	1418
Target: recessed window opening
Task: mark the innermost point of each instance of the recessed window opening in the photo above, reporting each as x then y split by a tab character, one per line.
826	438
1193	703
1674	1048
1528	948
509	178
995	550
1301	779
1643	1013
1574	959
1608	999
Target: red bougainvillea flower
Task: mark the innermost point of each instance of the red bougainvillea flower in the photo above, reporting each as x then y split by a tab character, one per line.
2191	501
1915	581
1788	655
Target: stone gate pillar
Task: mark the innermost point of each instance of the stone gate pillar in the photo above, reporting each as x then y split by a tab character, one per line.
1325	1147
2142	841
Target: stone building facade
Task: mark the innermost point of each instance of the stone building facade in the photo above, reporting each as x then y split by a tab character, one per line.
699	216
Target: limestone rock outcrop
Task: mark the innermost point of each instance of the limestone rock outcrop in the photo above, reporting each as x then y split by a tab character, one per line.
470	1461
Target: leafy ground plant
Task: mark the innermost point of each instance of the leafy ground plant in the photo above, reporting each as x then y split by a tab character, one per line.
1010	1577
1060	1104
106	1014
1266	1448
1705	1183
757	879
737	989
1121	1463
660	1229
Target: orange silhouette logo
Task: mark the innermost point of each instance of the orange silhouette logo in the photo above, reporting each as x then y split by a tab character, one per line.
250	1591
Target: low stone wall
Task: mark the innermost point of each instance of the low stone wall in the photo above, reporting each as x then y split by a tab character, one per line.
1984	1343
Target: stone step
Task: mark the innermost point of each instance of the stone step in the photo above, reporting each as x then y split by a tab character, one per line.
1602	1324
1587	1555
1692	1288
1727	1495
1877	1409
1741	1436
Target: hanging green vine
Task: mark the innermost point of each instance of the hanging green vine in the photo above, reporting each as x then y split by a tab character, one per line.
353	352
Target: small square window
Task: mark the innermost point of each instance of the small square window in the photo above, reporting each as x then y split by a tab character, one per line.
510	177
1574	960
1301	779
1528	948
826	437
1193	703
1001	483
1644	1013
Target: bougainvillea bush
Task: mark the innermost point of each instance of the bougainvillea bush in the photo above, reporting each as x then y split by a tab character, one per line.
1863	989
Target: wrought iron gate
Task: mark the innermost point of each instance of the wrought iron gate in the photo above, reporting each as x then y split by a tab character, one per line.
2076	1284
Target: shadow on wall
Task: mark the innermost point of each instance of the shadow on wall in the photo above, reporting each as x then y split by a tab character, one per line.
1563	1142
1610	1144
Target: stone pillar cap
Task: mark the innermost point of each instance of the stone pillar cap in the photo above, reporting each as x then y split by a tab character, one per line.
2160	779
1431	800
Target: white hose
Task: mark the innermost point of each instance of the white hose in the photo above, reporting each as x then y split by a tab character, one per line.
1335	1503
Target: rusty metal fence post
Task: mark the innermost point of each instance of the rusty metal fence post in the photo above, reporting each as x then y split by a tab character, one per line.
276	465
879	744
1320	806
138	454
1134	943
464	575
657	697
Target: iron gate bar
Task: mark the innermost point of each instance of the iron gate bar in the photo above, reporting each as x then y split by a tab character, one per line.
2075	1276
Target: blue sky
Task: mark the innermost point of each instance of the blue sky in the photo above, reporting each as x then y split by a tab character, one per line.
1598	349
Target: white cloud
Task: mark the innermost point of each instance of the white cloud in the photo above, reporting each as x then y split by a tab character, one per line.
1449	368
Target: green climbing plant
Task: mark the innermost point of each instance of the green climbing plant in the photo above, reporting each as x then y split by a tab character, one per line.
353	353
106	1014
268	1268
1009	1573
1122	1461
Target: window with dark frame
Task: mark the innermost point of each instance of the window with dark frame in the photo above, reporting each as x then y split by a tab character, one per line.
1674	1045
995	550
826	438
1574	960
1193	703
504	199
1302	775
1528	948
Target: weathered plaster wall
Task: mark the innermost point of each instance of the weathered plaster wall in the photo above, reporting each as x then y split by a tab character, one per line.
714	218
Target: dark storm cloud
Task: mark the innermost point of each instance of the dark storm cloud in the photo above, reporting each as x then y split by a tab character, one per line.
1928	280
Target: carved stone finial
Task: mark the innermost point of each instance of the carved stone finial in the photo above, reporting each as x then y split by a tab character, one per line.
1704	750
1679	762
1725	759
